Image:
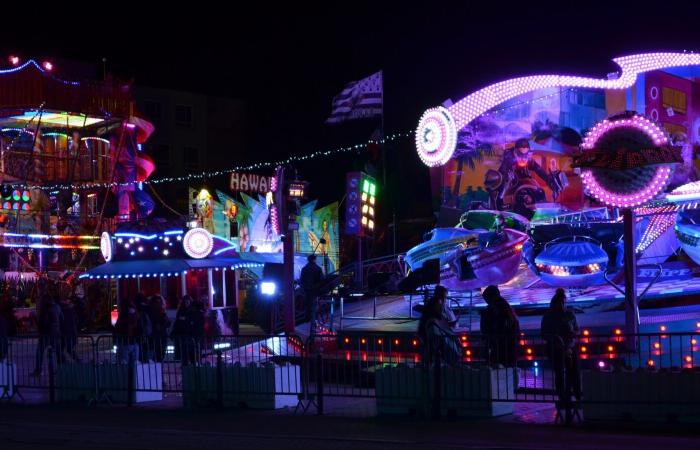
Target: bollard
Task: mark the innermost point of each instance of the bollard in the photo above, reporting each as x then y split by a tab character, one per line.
52	380
319	384
219	381
130	380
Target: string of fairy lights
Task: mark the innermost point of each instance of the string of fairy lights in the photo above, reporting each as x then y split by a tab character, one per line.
267	164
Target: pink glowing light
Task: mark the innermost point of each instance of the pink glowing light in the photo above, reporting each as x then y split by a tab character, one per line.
48	66
481	101
436	137
661	173
14	60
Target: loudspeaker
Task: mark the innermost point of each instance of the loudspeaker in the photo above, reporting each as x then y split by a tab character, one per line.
431	272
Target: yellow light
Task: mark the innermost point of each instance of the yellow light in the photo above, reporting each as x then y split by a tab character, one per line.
371	200
364	209
364	220
371	211
364	197
371	224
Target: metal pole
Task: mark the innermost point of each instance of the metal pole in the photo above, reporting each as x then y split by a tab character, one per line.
630	268
359	277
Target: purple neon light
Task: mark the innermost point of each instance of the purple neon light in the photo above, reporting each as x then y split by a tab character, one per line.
643	195
473	105
436	137
481	101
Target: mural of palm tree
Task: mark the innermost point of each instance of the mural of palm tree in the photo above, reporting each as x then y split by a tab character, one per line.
470	152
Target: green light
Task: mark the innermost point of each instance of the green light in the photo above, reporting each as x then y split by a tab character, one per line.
365	186
372	189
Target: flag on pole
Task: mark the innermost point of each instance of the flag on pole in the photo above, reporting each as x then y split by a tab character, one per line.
359	100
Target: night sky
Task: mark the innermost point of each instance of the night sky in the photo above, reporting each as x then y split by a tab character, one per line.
288	62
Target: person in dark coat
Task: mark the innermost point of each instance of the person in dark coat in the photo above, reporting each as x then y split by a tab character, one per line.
560	329
159	325
178	333
69	329
127	332
145	327
311	276
50	318
194	323
500	327
4	332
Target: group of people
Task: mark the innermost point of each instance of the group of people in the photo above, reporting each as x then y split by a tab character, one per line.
500	328
142	329
58	324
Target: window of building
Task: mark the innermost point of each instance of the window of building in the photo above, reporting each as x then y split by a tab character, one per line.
161	155
183	115
152	110
191	158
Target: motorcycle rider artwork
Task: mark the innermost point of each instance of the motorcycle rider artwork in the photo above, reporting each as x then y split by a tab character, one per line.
513	187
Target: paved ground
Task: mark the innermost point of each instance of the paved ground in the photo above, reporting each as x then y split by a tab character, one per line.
36	427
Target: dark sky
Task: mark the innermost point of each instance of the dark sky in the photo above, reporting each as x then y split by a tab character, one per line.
288	62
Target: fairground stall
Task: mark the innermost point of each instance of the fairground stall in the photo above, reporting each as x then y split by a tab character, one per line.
70	161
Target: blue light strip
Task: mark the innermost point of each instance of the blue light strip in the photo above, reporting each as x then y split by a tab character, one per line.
41	69
171	232
142	236
220	251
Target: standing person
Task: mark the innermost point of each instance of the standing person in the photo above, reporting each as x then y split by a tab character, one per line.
7	311
4	332
560	328
500	327
194	320
127	332
179	330
159	324
311	276
69	328
438	340
447	314
50	318
145	327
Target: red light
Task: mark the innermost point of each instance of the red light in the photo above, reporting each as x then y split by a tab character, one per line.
522	341
347	356
618	331
48	66
584	349
379	341
650	362
688	359
396	342
415	342
610	348
14	60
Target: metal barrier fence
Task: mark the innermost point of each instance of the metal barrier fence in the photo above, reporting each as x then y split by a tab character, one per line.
448	373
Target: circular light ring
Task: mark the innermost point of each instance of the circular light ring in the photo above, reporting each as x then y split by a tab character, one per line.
198	243
436	137
658	176
106	246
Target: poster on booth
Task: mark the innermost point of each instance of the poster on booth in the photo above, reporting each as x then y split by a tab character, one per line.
246	221
518	156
